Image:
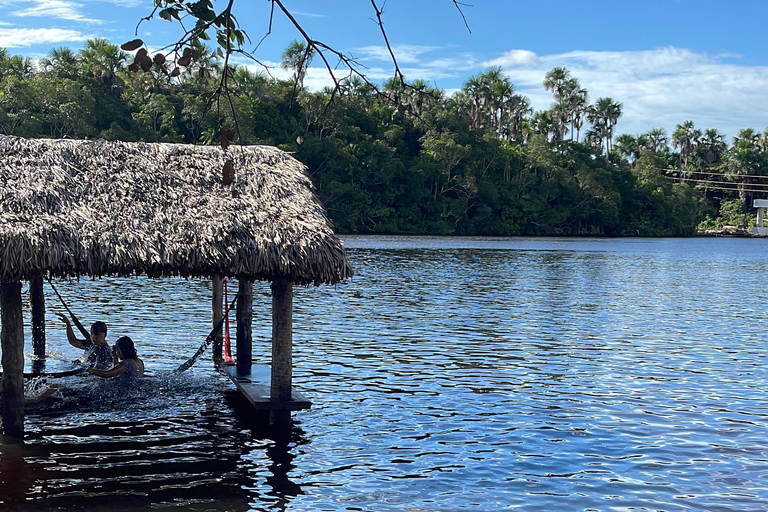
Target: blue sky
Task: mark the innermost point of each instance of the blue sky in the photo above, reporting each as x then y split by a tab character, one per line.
667	61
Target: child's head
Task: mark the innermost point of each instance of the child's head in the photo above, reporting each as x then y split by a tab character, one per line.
126	348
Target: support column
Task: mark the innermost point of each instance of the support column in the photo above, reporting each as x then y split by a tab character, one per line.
216	314
244	328
37	303
12	345
760	217
282	349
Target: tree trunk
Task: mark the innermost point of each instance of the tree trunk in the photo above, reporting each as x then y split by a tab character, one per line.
216	315
244	327
37	305
12	345
282	348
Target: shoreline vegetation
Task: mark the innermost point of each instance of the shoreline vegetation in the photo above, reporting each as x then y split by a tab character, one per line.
479	162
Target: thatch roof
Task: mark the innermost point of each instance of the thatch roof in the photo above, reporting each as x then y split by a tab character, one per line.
94	208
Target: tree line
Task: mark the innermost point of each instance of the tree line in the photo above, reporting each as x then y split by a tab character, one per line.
409	159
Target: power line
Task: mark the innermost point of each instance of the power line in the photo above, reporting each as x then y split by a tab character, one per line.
721	182
733	188
718	173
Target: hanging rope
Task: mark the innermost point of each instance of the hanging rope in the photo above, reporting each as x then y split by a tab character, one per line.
75	321
208	339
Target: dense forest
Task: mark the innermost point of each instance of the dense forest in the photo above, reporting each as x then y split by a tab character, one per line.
411	160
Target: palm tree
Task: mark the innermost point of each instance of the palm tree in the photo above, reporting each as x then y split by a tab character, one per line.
15	65
206	67
657	140
745	159
297	57
685	137
561	114
61	62
544	124
626	146
102	60
556	80
604	115
713	143
579	105
244	82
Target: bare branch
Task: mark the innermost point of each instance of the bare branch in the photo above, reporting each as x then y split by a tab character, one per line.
379	12
458	7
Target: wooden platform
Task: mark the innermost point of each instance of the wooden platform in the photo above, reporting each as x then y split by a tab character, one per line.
254	385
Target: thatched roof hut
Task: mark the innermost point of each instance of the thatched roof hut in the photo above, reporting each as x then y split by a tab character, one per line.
71	208
93	208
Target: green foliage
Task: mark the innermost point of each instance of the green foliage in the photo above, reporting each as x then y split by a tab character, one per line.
478	163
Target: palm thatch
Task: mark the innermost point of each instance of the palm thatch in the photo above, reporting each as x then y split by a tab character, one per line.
73	208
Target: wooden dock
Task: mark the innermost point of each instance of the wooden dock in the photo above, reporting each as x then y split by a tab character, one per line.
255	386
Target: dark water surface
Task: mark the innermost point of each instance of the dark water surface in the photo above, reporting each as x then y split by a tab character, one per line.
448	375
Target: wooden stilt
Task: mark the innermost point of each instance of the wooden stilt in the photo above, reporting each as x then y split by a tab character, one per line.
37	303
244	328
216	314
12	345
282	349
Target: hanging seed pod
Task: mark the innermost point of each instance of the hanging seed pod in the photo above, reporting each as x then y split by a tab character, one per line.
159	59
228	173
146	63
131	45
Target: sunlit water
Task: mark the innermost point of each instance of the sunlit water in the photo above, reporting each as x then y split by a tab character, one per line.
448	375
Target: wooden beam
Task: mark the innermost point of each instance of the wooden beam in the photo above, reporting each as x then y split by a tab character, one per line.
216	313
282	348
244	328
12	345
37	305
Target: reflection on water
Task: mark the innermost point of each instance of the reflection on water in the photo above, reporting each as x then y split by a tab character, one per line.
449	375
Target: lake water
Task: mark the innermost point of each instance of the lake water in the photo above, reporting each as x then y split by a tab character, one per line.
449	375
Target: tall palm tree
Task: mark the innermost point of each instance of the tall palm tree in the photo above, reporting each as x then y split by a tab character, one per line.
579	100
297	58
714	145
604	115
556	80
657	140
561	112
685	137
745	159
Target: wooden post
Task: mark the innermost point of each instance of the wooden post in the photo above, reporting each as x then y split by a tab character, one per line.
282	349
244	327
216	314
37	303
12	345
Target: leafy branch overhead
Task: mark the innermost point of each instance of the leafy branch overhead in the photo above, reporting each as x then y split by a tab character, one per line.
201	21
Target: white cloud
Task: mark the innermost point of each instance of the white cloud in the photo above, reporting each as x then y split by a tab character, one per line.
661	87
514	58
125	3
62	9
309	14
405	54
21	37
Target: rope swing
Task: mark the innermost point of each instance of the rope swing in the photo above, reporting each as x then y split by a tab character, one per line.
209	339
